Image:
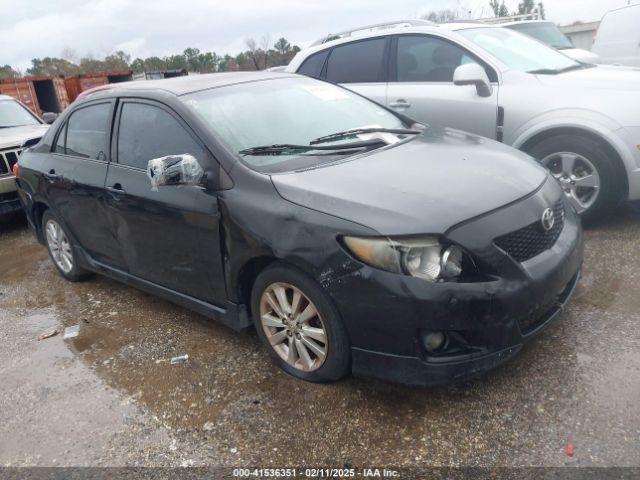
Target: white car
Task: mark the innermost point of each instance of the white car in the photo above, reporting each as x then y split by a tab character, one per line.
618	38
17	126
582	121
549	34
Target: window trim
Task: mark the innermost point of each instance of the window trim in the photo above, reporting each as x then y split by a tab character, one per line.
384	70
326	52
146	101
63	126
393	59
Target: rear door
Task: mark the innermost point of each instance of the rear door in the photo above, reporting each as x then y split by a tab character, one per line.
170	237
361	67
421	85
74	180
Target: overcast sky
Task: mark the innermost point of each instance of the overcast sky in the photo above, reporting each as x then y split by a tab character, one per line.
40	28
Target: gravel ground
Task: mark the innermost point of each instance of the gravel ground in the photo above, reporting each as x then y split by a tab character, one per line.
110	397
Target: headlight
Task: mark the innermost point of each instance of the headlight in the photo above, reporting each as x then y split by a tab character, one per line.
423	257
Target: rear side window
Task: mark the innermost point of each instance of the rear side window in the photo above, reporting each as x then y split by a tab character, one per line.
428	59
312	66
87	132
359	62
148	132
62	138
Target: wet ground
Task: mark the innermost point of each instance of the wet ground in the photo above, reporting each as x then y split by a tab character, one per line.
111	397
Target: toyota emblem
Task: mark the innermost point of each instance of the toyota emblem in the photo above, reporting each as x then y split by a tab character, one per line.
548	219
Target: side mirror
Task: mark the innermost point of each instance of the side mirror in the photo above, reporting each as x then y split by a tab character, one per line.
174	170
49	117
473	74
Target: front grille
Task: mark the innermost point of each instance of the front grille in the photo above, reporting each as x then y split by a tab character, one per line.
8	158
532	240
6	197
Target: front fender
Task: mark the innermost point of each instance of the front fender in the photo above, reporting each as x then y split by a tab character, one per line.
593	123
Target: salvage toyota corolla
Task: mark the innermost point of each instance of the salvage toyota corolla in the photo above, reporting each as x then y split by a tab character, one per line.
352	238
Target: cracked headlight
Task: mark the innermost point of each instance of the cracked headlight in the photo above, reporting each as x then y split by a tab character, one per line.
425	257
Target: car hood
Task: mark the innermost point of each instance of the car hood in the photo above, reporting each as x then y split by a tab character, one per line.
425	185
581	55
16	136
601	77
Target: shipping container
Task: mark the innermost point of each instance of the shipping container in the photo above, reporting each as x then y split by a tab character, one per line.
79	83
40	94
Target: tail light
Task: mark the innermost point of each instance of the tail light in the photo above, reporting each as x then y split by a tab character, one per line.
16	169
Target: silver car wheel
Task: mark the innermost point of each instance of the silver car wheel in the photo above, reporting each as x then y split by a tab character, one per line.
59	246
293	327
578	178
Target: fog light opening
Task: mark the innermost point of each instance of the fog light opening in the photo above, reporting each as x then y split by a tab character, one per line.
434	341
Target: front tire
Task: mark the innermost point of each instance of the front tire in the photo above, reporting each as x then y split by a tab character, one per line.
299	325
60	248
586	171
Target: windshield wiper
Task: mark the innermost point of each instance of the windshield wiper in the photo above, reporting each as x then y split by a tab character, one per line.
290	149
356	131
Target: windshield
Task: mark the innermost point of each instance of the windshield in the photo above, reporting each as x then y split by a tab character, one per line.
12	114
545	32
294	110
517	51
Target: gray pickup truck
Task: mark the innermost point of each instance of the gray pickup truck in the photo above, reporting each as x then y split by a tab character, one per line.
17	126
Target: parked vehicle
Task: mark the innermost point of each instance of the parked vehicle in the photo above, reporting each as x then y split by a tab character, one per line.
549	34
579	120
17	126
352	238
618	38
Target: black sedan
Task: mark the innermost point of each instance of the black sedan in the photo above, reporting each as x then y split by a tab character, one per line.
352	238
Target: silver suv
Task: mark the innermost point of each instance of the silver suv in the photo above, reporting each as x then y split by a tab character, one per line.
580	120
17	126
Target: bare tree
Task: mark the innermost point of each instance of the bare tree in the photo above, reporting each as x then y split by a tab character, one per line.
441	16
70	55
254	52
265	44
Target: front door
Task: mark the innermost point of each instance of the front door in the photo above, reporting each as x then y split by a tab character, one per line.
171	236
421	85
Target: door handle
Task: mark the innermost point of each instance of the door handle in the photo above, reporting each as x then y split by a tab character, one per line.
400	103
51	175
116	190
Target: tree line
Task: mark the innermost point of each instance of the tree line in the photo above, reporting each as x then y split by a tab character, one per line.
257	56
498	8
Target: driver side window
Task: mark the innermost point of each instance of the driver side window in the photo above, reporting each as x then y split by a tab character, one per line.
421	58
146	132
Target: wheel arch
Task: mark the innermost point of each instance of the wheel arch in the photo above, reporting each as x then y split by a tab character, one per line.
38	209
527	143
246	277
247	274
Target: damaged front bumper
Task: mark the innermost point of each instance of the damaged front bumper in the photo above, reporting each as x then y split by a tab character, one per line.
485	323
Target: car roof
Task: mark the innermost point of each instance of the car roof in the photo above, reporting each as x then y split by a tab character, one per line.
192	83
362	35
520	22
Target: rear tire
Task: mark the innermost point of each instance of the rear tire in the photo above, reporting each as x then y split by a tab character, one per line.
299	325
577	160
60	248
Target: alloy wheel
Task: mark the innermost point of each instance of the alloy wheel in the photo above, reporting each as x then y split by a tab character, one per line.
59	246
578	178
293	327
